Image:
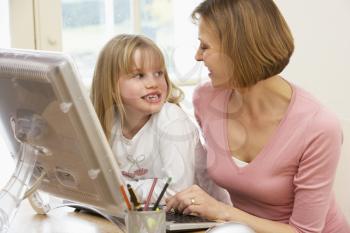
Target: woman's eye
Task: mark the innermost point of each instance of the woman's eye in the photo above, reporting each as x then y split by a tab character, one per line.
203	47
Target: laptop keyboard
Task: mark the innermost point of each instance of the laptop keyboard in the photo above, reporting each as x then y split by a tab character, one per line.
182	218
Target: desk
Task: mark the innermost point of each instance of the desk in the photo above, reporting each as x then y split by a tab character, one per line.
61	220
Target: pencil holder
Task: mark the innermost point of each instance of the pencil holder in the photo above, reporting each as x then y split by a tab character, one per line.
145	221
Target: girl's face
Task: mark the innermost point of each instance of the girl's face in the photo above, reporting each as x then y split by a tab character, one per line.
219	65
144	91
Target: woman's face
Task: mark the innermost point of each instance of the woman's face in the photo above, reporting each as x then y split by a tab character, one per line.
219	65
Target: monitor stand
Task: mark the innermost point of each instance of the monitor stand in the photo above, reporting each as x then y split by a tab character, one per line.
27	178
14	191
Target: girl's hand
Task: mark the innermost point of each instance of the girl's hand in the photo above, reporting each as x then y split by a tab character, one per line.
195	201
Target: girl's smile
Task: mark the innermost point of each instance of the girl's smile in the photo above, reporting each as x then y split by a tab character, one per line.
153	97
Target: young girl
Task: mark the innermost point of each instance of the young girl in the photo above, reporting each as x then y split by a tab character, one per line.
136	103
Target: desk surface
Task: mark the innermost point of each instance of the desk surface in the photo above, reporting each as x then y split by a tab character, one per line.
61	220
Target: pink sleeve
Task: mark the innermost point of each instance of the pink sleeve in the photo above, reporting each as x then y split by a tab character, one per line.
196	105
202	177
314	179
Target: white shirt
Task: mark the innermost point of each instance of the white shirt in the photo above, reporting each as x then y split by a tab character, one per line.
164	147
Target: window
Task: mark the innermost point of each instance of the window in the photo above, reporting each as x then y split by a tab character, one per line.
88	24
81	27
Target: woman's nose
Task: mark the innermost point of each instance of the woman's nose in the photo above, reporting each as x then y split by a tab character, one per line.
199	55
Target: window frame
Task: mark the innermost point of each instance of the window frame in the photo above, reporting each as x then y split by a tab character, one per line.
36	24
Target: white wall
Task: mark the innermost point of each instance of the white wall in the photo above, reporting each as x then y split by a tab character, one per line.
4	25
321	62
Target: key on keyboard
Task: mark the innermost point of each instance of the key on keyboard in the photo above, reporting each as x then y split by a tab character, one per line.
182	218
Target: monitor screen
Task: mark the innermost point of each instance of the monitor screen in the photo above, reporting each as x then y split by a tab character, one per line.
43	104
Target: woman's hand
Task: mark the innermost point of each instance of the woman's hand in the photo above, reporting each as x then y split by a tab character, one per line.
195	201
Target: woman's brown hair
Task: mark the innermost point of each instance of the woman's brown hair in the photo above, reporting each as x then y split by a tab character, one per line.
253	34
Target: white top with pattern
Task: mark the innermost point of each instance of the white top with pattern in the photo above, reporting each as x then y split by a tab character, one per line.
164	147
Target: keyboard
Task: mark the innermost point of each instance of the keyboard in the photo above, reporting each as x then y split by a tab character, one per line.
182	218
175	221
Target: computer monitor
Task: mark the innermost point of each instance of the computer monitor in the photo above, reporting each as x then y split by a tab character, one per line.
44	104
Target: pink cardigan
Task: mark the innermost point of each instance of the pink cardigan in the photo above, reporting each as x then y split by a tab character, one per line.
290	180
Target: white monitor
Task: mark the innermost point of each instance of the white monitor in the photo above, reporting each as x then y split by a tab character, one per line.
44	104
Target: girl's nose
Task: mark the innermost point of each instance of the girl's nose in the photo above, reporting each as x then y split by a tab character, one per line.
151	81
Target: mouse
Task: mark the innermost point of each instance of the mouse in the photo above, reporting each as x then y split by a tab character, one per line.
229	227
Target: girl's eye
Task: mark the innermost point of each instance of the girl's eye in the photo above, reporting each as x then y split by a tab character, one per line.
159	73
138	75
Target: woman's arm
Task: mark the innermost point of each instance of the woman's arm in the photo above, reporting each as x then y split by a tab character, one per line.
261	225
312	193
203	180
194	200
314	180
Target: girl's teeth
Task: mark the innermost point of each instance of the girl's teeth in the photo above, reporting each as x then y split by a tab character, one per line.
151	97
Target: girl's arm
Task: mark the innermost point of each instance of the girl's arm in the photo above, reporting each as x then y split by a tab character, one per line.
178	145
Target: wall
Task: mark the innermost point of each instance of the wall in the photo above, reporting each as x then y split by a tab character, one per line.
321	61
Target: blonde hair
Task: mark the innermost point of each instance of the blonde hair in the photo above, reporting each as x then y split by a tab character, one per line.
116	58
253	34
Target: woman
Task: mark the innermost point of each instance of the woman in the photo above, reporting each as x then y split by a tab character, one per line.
269	143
